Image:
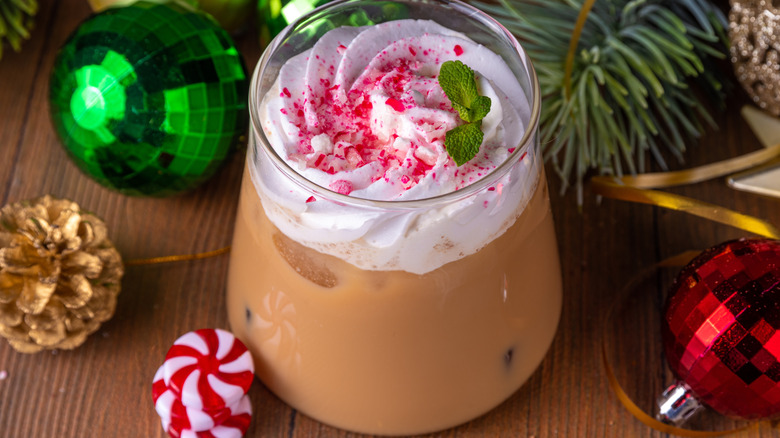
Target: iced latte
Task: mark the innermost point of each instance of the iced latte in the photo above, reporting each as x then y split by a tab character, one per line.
381	287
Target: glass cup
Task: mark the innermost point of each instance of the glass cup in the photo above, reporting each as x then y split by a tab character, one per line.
395	317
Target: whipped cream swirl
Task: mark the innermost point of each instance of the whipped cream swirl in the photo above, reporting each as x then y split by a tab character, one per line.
361	113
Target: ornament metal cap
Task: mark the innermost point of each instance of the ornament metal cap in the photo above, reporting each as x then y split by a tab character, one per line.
677	404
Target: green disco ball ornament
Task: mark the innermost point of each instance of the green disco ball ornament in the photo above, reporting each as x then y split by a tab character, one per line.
149	99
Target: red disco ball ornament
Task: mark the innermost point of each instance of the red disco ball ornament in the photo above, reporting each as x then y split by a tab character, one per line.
721	332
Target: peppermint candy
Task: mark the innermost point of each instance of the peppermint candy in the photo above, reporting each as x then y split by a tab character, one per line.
199	391
208	369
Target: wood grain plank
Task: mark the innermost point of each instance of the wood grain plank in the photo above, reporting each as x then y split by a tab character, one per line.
19	72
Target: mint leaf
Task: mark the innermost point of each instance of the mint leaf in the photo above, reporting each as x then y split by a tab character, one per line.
480	108
457	81
463	142
459	84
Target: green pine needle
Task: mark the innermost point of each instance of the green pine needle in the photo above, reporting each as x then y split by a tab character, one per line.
16	21
630	94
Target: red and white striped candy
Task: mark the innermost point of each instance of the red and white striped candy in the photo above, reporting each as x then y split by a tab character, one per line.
234	427
208	369
173	412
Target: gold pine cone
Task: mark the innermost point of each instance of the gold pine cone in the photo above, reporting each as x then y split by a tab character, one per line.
59	274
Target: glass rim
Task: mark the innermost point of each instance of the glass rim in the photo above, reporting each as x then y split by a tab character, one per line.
525	142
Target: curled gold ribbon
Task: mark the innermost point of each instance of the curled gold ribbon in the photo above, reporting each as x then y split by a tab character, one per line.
177	258
637	189
607	187
573	42
701	173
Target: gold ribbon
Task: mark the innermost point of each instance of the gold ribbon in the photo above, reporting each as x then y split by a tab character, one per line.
702	173
573	42
637	189
177	258
607	187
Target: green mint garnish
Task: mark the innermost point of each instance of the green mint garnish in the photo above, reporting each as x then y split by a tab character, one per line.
458	82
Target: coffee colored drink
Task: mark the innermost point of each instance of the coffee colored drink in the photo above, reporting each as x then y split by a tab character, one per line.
380	287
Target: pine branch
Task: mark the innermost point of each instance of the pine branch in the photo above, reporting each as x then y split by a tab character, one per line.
16	21
630	94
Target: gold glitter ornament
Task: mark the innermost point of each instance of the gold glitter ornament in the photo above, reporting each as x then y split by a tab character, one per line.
754	29
59	274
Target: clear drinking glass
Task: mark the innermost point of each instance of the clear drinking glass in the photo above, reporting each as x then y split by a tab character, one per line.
386	344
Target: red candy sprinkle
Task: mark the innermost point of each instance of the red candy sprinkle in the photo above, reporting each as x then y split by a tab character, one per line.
395	104
458	50
341	186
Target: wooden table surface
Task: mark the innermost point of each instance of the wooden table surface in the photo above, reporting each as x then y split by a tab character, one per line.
102	389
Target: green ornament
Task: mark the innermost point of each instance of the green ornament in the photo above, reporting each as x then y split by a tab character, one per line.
149	99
